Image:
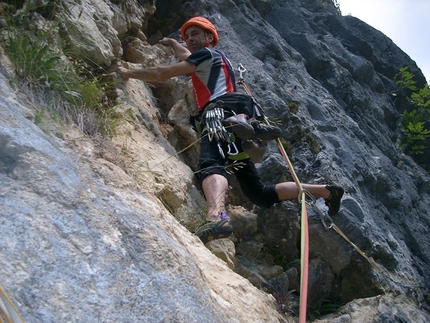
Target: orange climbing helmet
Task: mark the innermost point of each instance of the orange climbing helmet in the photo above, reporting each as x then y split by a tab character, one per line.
202	23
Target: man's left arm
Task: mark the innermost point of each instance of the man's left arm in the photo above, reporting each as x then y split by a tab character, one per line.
180	51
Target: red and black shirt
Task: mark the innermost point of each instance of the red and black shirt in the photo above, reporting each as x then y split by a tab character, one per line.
213	76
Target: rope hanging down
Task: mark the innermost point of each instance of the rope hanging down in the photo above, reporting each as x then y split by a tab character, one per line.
304	217
325	219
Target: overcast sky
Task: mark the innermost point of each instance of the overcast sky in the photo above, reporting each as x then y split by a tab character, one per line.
405	22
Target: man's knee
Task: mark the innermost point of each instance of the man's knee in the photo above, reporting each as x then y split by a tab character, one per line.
208	168
265	197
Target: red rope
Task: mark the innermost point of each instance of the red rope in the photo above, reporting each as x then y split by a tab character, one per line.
304	252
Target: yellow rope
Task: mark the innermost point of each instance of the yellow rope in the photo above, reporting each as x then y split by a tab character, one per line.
325	219
304	239
7	310
370	260
304	252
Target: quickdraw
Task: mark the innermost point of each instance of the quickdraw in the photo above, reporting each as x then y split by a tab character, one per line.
213	120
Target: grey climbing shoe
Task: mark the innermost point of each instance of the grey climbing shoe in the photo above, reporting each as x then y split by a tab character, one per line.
265	131
239	125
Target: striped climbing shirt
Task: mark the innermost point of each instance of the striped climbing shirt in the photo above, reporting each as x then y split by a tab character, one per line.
213	76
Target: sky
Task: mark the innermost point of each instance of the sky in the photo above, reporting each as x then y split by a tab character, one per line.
405	22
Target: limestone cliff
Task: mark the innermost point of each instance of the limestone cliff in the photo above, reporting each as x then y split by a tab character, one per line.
98	229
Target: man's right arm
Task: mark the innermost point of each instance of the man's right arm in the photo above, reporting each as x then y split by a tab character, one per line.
180	51
157	73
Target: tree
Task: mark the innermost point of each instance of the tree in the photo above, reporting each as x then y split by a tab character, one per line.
416	117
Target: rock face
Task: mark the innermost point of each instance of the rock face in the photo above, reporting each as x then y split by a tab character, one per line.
97	229
84	241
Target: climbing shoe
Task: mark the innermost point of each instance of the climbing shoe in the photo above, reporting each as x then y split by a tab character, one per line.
240	126
333	201
215	230
265	131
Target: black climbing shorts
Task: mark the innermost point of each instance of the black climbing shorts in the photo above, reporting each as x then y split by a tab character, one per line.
211	161
236	102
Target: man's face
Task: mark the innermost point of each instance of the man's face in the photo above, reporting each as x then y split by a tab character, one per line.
196	38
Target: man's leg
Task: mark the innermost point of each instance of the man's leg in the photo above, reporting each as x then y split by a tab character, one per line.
215	189
289	190
331	194
218	226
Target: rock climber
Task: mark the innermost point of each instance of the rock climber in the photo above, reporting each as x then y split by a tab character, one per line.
218	101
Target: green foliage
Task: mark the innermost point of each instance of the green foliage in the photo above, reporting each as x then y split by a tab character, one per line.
405	80
416	127
337	6
72	87
36	63
33	59
415	136
422	99
312	142
334	3
288	147
39	116
293	107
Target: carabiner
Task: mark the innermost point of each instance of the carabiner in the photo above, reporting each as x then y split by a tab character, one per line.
235	148
221	152
241	70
